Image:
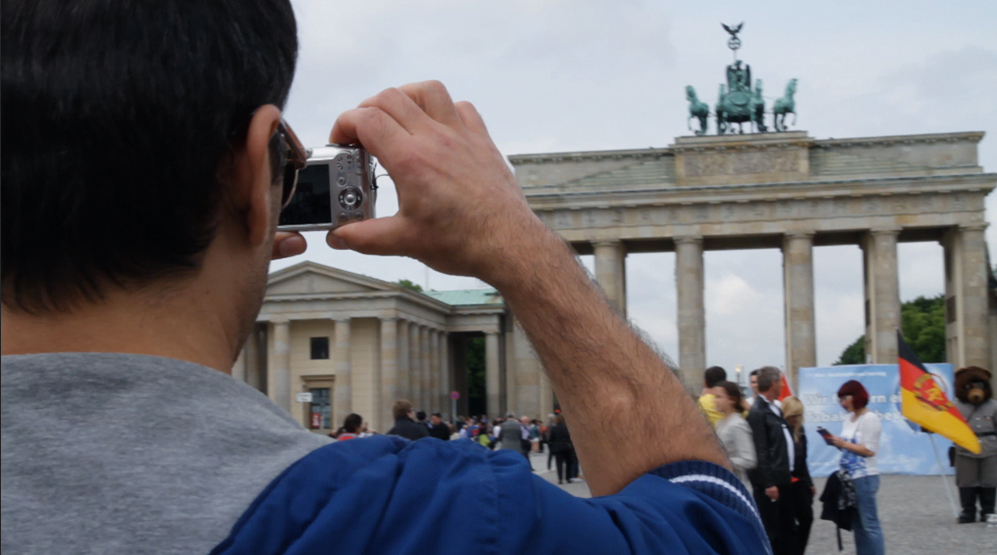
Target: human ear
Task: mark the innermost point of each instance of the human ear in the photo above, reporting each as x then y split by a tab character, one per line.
253	192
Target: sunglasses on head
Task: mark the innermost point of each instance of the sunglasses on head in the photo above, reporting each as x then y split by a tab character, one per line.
295	160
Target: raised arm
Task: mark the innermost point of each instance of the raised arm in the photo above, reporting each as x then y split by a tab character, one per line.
461	211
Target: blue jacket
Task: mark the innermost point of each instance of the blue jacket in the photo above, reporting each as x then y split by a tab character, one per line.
389	495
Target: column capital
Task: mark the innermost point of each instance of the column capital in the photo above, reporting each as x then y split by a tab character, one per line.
688	240
974	227
280	320
389	319
884	231
799	235
343	319
608	243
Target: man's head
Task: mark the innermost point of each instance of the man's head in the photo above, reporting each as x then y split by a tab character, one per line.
769	382
524	420
136	135
402	409
420	416
713	376
753	381
436	419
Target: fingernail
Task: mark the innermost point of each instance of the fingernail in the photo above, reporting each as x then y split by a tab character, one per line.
337	243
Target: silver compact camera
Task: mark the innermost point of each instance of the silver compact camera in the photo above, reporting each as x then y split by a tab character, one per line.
337	186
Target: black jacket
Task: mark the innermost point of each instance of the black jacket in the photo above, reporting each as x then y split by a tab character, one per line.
408	429
441	432
770	446
800	470
560	439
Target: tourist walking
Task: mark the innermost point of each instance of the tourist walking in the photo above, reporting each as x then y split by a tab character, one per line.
802	486
734	431
564	451
859	442
707	398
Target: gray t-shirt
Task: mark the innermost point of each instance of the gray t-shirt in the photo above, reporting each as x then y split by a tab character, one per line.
114	453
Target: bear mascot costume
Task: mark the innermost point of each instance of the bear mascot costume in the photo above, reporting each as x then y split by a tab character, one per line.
976	474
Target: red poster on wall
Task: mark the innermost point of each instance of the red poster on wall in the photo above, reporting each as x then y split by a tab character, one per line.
316	420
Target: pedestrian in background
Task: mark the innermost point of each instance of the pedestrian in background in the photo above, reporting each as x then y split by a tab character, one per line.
772	476
564	451
405	425
351	428
859	442
734	431
707	398
802	486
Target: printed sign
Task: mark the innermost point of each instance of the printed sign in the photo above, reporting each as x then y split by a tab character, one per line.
303	397
454	395
903	447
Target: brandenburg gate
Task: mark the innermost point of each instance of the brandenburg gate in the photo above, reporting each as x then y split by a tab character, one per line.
782	190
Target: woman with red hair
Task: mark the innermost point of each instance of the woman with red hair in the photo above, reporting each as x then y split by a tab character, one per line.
859	442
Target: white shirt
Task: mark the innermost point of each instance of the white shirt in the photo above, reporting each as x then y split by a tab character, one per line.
865	431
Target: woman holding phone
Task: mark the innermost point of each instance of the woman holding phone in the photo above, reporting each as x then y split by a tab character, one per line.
859	442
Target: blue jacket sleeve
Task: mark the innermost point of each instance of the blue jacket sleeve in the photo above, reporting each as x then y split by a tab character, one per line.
390	495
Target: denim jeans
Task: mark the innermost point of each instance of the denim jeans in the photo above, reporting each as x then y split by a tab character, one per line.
868	534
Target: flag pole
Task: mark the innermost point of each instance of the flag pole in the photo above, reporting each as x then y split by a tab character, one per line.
941	473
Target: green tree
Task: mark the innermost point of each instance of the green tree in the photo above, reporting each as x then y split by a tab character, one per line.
476	395
409	285
922	322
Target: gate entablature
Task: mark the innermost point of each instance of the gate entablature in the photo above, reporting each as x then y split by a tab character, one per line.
783	190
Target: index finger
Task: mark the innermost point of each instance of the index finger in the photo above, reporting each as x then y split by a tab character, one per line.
378	132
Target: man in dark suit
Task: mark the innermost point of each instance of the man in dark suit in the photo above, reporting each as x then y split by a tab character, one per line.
771	478
404	425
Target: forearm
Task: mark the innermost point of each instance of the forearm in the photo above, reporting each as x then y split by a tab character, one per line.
615	391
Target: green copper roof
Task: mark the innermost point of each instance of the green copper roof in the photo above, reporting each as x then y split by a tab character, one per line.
467	297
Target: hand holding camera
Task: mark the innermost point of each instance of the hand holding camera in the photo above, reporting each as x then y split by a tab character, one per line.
461	210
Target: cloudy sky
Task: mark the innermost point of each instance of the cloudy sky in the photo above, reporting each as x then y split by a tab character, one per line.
559	75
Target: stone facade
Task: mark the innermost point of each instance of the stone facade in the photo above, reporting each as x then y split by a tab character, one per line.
357	344
787	191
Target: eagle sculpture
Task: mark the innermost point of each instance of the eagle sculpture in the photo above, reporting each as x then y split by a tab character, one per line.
733	32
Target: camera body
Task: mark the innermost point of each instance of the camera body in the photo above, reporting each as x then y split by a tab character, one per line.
336	187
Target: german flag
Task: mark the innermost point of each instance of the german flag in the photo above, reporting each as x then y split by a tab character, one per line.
924	403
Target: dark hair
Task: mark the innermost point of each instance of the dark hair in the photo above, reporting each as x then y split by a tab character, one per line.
714	375
860	397
421	415
734	392
767	377
401	409
753	373
117	117
352	423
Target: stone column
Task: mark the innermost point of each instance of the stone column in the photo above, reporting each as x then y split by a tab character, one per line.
344	390
798	284
415	368
446	383
279	378
253	368
882	295
389	373
492	373
691	311
966	297
525	375
425	381
239	366
433	404
404	366
611	273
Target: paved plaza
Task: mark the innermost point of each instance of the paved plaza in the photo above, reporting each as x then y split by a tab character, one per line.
916	516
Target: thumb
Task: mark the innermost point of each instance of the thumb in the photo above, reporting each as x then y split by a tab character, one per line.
380	236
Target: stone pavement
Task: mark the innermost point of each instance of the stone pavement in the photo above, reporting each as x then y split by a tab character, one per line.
914	511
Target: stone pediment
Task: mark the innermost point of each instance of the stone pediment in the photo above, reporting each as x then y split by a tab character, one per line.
309	278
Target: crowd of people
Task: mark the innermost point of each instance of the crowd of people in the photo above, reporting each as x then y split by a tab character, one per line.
767	447
523	435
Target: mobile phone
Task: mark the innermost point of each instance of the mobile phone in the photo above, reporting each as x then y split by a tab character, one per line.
825	434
